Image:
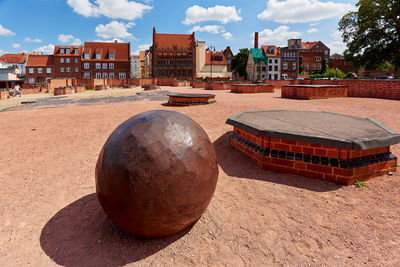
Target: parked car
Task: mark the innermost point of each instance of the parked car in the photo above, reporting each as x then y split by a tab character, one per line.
383	77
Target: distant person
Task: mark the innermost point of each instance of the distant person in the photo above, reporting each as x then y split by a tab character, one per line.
17	91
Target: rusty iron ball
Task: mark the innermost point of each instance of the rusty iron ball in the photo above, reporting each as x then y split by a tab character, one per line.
156	173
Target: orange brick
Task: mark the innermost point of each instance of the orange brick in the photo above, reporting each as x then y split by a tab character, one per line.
300	165
289	142
297	149
280	147
343	172
312	174
320	152
343	154
315	146
319	168
332	153
308	150
282	162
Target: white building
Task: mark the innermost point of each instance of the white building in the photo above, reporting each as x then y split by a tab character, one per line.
273	61
15	61
135	67
211	64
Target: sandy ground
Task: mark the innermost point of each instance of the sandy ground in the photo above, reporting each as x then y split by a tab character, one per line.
50	215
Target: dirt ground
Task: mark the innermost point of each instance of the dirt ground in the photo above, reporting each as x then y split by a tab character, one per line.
49	213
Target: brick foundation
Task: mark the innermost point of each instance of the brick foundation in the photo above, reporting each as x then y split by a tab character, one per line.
252	88
313	92
189	101
64	91
197	84
218	86
4	95
181	83
341	166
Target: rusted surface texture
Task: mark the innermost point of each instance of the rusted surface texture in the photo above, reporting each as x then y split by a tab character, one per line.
156	174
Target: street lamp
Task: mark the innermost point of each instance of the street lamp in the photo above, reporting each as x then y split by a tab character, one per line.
211	49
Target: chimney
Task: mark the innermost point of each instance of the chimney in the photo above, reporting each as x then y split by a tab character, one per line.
256	40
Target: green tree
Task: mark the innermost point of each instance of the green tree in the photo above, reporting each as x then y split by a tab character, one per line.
334	73
372	33
239	62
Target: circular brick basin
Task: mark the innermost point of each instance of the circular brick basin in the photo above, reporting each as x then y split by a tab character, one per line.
149	87
252	88
330	146
190	99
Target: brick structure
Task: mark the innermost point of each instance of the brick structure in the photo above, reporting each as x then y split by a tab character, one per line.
336	160
314	91
218	85
39	68
190	99
256	65
173	55
337	61
252	88
67	62
273	55
290	59
106	60
313	55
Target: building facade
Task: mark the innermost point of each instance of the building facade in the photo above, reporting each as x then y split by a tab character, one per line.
337	61
67	62
273	56
211	64
256	65
173	56
313	57
17	62
39	68
135	67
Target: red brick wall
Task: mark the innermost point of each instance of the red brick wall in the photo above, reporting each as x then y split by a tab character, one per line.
313	92
198	84
243	89
309	169
218	86
4	94
278	83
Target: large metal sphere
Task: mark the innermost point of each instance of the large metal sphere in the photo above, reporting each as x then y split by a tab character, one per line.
156	174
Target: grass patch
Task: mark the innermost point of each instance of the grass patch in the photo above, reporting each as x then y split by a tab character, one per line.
360	184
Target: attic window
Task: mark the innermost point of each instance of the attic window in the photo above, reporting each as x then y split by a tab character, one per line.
86	55
67	51
75	50
98	56
111	56
62	51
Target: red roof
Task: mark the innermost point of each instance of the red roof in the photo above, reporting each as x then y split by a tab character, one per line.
40	60
14	58
215	62
174	41
121	51
308	45
72	49
270	50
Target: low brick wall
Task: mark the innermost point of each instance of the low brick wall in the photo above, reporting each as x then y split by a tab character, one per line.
31	91
79	89
189	101
218	86
64	91
342	166
251	88
312	92
278	83
181	84
4	95
197	84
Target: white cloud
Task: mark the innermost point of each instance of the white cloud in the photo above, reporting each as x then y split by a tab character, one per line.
114	29
297	11
278	36
16	45
223	14
31	40
142	47
313	30
216	29
46	49
5	32
336	44
109	41
227	36
116	9
69	39
314	24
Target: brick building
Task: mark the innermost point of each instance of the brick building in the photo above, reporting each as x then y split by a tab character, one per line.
106	60
256	65
15	61
173	55
313	55
290	59
337	61
273	55
39	68
67	62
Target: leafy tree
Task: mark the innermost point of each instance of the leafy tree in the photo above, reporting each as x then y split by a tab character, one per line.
372	33
334	73
239	62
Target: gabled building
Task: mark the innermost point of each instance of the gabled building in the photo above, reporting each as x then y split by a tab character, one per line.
135	67
229	57
142	58
272	53
15	61
290	59
39	68
313	56
337	61
211	64
67	62
173	56
256	65
106	60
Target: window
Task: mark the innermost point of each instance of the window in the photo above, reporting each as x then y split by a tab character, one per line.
285	65
105	75
264	68
61	69
326	52
48	70
86	75
111	75
313	66
40	70
276	61
269	76
276	68
270	61
86	55
31	80
68	69
76	70
67	60
62	60
258	68
105	66
31	70
317	59
112	56
306	66
294	65
270	68
122	75
75	50
275	76
62	51
318	66
98	75
86	65
98	56
67	51
111	66
76	60
98	66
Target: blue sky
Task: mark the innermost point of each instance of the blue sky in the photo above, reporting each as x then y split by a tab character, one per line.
37	25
